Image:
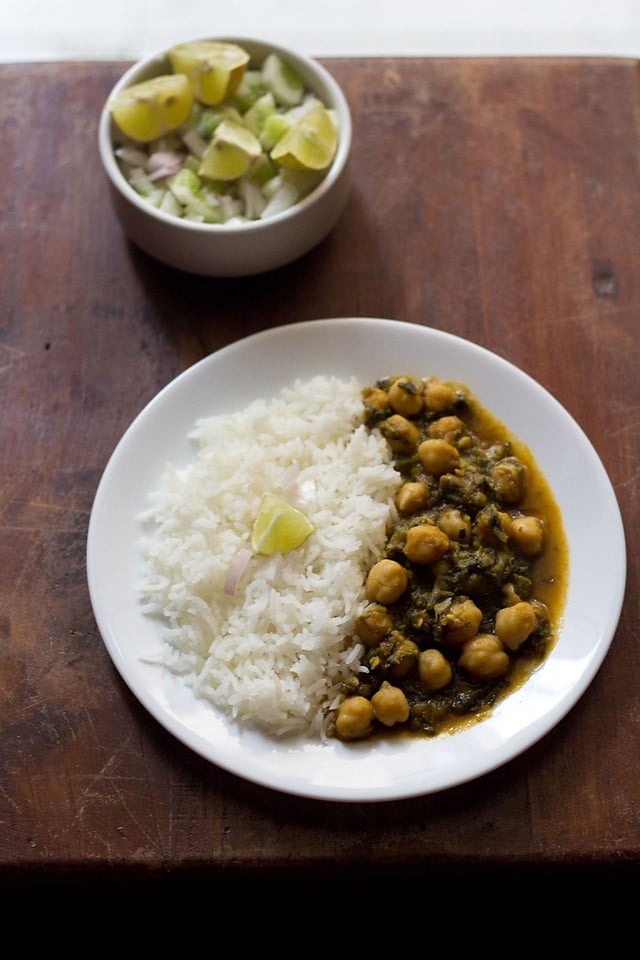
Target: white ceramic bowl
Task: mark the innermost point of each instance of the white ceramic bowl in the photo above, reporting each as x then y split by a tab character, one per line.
228	250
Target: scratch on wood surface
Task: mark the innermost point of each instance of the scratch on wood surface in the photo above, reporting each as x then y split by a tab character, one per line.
9	356
94	792
19	515
477	231
631	426
631	482
391	78
7	796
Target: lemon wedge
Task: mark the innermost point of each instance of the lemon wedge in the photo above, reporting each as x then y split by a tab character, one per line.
214	67
278	527
232	150
310	143
148	110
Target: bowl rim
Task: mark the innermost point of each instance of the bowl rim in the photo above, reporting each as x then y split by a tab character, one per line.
254	47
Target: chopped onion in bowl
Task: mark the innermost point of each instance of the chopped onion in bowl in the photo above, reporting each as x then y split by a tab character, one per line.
163	164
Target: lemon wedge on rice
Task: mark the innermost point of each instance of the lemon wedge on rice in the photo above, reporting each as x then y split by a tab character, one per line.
148	110
214	67
310	143
278	527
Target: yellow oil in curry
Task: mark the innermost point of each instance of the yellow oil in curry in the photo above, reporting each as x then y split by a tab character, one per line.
551	570
548	573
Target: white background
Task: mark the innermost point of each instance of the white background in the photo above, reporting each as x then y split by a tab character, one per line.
36	30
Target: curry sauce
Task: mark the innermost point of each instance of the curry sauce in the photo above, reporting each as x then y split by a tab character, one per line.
468	597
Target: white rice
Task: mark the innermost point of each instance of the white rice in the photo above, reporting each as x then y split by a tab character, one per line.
274	655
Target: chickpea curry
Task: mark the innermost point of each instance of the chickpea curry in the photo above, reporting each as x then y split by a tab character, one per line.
466	601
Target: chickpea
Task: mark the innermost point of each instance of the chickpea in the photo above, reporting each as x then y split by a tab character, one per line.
373	624
426	543
514	624
434	669
405	396
438	456
527	533
447	428
461	621
401	434
455	524
484	657
439	396
509	478
375	399
386	582
403	656
390	705
411	497
354	718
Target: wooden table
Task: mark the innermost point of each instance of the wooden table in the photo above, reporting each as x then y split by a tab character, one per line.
495	199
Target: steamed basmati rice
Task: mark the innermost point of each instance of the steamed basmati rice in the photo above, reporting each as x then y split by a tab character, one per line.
274	655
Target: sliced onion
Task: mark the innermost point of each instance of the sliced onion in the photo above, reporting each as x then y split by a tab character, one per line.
195	142
236	570
163	164
284	197
132	156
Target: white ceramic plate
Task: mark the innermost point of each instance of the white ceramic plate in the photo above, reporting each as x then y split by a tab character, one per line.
369	349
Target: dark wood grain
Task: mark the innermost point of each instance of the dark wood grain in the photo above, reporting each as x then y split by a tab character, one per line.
495	199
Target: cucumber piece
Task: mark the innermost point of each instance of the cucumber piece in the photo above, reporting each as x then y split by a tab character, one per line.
285	83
